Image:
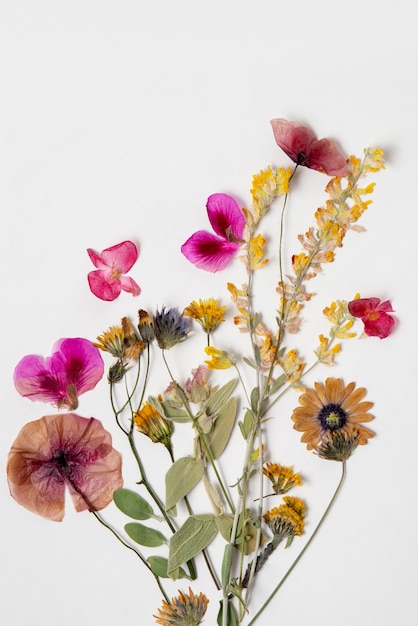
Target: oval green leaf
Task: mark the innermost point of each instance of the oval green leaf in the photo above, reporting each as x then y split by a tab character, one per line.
132	504
145	536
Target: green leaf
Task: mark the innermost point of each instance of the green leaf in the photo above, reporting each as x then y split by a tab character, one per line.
159	566
224	524
231	618
278	383
219	397
196	533
132	504
218	437
145	536
255	397
248	423
182	476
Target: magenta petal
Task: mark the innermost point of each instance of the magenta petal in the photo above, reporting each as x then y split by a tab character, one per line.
209	252
294	139
380	326
34	380
96	259
83	363
128	284
122	256
362	306
103	285
325	157
225	215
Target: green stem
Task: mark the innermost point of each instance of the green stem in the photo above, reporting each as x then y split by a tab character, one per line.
306	546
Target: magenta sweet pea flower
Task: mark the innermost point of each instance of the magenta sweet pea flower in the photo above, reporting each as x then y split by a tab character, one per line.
374	315
74	367
108	281
214	252
302	146
59	452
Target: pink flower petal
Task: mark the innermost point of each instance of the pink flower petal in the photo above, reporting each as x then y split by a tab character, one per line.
75	367
208	252
84	365
96	259
59	452
122	256
103	285
302	146
128	284
362	306
380	326
225	216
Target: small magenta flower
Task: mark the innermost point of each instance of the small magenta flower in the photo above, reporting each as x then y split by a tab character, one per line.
108	281
374	315
74	367
302	146
214	252
59	452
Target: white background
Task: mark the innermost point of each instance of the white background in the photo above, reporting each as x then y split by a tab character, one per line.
118	119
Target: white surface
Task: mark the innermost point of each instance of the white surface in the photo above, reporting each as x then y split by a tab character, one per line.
118	119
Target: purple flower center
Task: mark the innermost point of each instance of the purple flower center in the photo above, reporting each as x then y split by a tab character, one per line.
332	416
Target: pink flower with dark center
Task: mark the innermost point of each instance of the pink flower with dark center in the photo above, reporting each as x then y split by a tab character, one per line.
214	252
108	281
60	452
374	315
74	367
302	146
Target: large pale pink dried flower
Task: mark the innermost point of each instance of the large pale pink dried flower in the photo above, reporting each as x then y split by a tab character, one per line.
63	452
303	147
74	367
112	263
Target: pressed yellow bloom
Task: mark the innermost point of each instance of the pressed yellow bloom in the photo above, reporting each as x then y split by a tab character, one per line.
121	341
333	412
220	360
149	422
208	313
292	365
185	610
256	252
287	520
267	185
326	354
283	478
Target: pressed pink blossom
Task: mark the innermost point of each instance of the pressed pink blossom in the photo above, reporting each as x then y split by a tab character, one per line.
303	147
214	252
374	315
108	280
74	367
59	452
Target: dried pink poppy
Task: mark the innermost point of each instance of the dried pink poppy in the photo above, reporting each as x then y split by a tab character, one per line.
108	280
74	367
374	315
214	252
303	147
60	452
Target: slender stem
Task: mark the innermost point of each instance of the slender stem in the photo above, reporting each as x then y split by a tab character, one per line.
127	545
306	546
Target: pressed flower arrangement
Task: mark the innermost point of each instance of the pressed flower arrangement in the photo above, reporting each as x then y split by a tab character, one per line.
64	451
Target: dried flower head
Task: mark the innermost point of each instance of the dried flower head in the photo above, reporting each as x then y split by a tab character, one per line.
208	313
374	315
286	520
170	327
145	326
330	414
60	452
185	610
152	424
121	341
282	478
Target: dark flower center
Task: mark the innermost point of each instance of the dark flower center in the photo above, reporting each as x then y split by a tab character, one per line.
302	158
332	416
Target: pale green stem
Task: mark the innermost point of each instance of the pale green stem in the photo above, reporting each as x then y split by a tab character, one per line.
306	546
